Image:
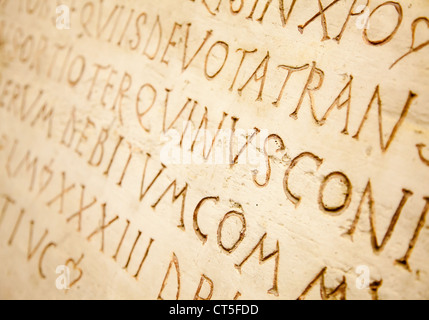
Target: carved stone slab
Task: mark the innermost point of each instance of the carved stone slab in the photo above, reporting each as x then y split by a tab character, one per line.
214	149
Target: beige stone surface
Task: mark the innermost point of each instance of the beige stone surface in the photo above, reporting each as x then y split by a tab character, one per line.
214	149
